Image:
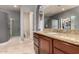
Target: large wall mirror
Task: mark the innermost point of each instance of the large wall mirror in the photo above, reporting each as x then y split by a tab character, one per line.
61	17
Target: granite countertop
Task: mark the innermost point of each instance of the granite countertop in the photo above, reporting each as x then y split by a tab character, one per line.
67	37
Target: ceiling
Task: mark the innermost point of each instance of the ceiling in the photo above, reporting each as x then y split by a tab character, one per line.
54	9
10	7
48	9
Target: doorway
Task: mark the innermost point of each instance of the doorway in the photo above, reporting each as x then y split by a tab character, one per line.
28	25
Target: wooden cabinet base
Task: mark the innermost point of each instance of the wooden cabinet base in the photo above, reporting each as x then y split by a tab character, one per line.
47	45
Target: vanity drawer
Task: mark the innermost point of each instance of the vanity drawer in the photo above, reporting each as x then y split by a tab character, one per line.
36	49
66	47
36	41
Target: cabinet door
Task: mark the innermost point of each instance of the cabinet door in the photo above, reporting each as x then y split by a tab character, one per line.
45	45
66	47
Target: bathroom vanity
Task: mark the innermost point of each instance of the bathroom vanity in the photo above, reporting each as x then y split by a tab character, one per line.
56	43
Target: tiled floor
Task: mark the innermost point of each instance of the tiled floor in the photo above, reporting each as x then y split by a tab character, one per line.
15	45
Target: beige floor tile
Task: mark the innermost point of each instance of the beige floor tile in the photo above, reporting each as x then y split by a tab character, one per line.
16	45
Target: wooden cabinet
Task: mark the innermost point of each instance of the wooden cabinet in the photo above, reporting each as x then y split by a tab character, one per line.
36	43
47	45
36	49
42	44
65	47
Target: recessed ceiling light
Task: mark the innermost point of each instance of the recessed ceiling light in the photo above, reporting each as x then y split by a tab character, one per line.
15	6
63	9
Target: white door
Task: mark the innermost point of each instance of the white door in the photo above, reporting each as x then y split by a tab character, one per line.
28	25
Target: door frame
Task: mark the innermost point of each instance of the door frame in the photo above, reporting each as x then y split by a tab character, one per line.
31	25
